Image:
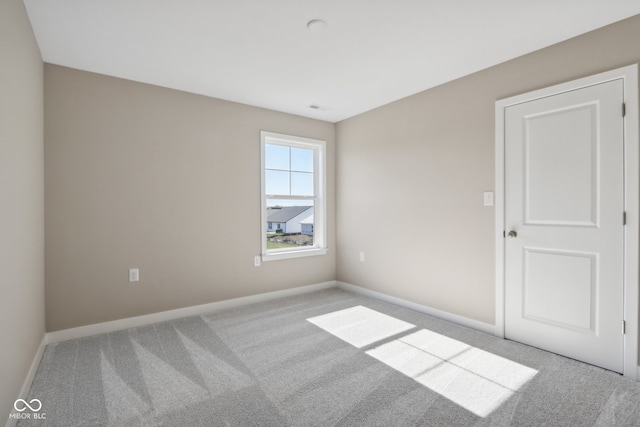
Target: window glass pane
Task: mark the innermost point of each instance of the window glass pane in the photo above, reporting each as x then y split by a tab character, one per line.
276	157
290	224
301	184
277	182
301	159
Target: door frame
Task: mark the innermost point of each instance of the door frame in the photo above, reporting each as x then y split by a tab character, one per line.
629	75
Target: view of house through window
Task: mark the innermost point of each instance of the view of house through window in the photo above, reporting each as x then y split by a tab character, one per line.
292	194
291	226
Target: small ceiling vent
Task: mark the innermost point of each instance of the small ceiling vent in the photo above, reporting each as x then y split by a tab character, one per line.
319	107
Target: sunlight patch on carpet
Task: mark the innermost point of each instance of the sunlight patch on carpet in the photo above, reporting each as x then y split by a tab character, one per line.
474	379
360	326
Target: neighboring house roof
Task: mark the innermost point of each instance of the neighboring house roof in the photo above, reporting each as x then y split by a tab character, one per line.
285	213
307	220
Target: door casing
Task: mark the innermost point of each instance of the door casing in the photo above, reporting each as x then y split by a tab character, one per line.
629	75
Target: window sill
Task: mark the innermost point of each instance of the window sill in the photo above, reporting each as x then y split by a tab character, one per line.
274	256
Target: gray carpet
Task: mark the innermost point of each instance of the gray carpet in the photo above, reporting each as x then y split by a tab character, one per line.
315	360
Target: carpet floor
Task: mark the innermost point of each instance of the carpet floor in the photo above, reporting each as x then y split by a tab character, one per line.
328	358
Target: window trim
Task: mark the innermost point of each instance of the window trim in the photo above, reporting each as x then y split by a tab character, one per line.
320	205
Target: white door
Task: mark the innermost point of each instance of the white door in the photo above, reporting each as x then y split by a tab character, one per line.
564	205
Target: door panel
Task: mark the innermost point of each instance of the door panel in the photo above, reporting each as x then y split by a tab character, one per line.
572	280
553	141
564	197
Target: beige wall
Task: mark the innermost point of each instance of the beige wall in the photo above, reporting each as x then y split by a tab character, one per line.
165	181
411	176
21	201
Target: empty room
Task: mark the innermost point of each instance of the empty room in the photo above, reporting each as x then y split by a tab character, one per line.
319	213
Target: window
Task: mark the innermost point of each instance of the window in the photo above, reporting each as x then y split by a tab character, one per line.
293	196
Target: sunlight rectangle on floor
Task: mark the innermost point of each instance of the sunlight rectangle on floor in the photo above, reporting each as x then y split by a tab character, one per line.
474	379
360	326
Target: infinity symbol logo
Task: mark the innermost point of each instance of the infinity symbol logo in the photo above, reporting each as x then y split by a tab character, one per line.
26	405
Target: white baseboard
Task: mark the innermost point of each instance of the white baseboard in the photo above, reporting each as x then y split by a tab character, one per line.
163	316
450	317
26	385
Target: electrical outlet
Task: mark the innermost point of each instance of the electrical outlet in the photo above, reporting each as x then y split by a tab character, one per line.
257	261
361	256
134	275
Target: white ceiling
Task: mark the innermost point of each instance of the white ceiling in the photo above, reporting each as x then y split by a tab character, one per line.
259	52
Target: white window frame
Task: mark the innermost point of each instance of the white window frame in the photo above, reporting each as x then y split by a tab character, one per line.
319	196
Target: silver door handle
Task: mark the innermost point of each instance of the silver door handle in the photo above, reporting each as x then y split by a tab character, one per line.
512	234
